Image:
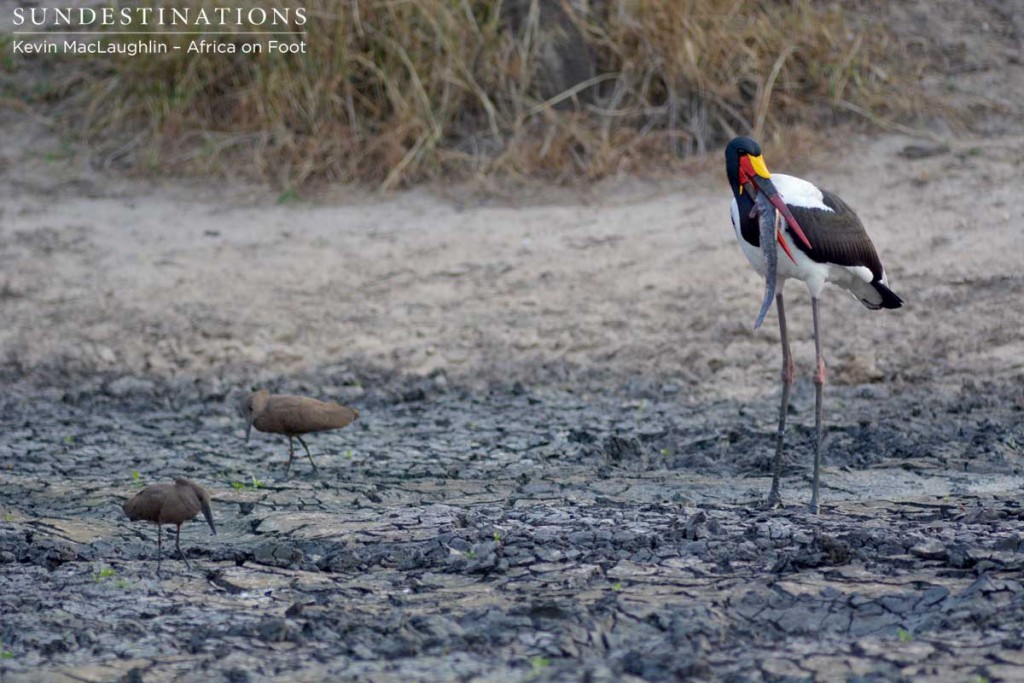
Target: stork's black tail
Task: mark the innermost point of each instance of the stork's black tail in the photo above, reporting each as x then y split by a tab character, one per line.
889	297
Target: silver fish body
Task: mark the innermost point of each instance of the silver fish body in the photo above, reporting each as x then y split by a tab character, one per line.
769	221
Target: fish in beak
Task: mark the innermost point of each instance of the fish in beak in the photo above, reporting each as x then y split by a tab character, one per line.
768	216
770	227
753	171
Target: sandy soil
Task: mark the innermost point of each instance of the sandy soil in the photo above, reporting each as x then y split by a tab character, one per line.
106	275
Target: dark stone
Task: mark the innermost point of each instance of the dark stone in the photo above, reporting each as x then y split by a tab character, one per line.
623	448
134	675
917	151
237	675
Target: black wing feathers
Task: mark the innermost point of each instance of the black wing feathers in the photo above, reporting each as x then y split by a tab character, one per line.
838	236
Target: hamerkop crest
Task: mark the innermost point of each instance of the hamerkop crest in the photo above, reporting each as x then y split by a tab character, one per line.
293	416
175	504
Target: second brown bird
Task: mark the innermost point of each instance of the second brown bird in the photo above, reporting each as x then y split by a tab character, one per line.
170	504
293	416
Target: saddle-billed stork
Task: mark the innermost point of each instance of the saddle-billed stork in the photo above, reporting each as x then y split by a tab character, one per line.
817	239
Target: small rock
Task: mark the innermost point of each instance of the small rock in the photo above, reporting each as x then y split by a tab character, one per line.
914	152
125	386
414	395
237	676
619	448
858	369
277	554
695	526
134	675
930	549
581	436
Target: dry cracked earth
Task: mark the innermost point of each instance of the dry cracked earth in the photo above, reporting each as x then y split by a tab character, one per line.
514	535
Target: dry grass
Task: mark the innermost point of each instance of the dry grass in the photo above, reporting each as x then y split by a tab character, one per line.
398	91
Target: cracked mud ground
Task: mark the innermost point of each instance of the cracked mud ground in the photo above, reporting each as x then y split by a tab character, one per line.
514	535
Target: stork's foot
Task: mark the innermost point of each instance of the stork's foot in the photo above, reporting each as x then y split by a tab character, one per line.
772	502
814	508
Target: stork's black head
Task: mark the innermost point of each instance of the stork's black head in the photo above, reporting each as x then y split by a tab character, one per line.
742	161
748	175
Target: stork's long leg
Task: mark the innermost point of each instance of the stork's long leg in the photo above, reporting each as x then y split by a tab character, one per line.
159	547
774	498
177	543
307	451
819	389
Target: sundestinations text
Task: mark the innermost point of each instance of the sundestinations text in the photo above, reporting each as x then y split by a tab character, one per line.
52	17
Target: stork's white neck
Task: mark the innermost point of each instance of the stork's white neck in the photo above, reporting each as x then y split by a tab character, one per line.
799	192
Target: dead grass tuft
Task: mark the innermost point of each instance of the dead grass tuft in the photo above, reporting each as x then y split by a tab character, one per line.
394	92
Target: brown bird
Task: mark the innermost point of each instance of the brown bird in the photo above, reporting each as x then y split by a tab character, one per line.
175	504
293	416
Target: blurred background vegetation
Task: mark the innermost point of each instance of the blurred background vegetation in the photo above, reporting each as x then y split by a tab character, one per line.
393	92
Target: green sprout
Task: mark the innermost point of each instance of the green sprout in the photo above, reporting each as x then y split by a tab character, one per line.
69	439
6	654
539	663
905	636
348	453
497	537
640	409
9	517
137	478
664	451
254	484
288	196
617	586
104	573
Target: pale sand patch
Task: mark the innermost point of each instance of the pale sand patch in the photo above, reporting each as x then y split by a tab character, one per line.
632	279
